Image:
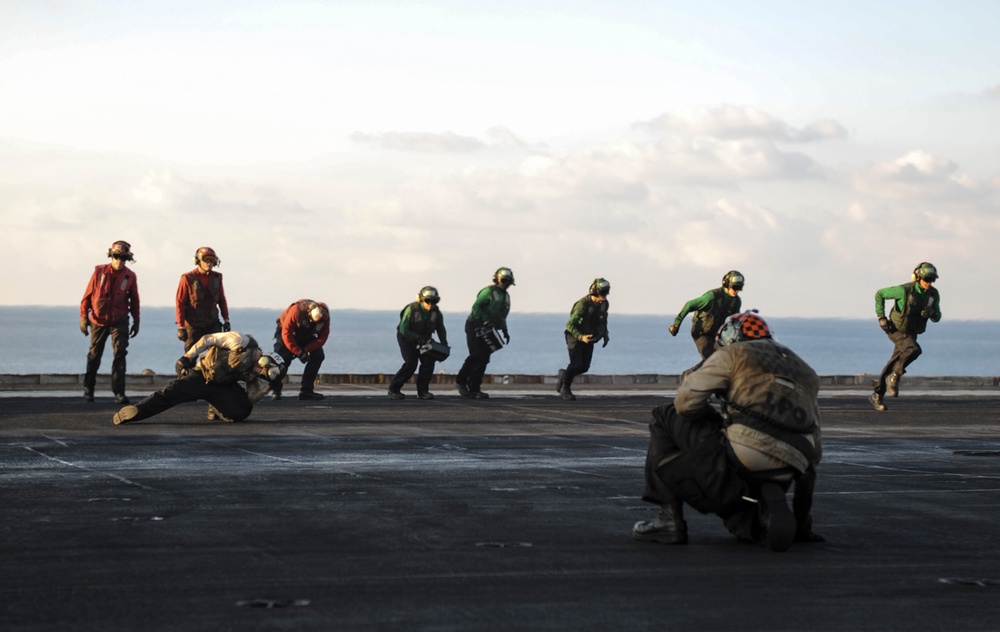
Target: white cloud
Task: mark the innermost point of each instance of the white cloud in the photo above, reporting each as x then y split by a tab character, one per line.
919	176
445	142
741	122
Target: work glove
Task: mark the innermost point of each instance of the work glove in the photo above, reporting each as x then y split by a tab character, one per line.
182	333
85	326
673	329
304	356
183	365
886	326
587	338
506	337
134	331
927	312
226	326
607	339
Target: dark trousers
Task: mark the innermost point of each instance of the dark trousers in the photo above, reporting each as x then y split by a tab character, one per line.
670	434
580	356
229	399
705	343
308	374
474	368
119	345
194	334
905	351
411	357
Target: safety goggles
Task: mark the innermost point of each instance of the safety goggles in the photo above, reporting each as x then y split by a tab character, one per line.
121	257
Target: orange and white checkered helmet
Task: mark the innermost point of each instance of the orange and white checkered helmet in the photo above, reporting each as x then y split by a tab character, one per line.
742	327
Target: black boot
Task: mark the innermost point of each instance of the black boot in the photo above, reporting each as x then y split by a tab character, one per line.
667	527
776	518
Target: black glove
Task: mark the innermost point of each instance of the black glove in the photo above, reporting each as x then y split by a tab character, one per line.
85	326
182	333
607	339
226	326
506	338
134	331
886	325
304	356
926	312
183	365
673	329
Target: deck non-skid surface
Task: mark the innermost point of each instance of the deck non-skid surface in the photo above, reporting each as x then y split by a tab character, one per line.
513	513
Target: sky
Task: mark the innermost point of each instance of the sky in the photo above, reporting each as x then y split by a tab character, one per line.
353	152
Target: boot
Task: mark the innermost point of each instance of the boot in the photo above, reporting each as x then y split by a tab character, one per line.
561	381
876	401
567	394
892	385
776	517
668	527
125	415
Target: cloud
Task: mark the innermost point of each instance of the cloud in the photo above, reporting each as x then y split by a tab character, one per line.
918	176
422	142
736	122
728	145
993	93
502	137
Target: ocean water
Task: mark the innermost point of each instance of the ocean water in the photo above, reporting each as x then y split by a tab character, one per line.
48	340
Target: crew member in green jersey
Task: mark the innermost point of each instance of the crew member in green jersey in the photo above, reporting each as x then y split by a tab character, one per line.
417	323
489	312
914	303
710	312
588	323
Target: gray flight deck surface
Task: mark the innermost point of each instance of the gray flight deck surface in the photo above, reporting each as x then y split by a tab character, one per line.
513	513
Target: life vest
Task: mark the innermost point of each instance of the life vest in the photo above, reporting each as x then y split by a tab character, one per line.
909	319
202	309
110	301
711	320
422	323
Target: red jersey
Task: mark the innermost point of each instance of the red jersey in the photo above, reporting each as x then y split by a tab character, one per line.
200	298
110	296
298	333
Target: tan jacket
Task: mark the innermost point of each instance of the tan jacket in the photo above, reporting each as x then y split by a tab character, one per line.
770	402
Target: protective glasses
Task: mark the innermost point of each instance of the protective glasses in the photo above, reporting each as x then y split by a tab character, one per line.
209	259
121	257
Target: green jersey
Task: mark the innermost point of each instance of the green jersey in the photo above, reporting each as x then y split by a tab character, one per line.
492	306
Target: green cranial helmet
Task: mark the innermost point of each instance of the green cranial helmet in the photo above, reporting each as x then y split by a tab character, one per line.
600	287
925	271
429	294
504	277
733	279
